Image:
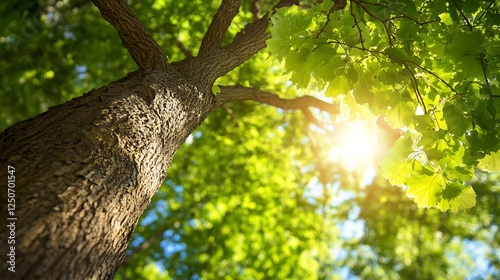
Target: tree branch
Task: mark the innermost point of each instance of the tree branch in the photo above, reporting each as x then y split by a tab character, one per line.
219	25
239	93
224	59
135	38
246	43
249	41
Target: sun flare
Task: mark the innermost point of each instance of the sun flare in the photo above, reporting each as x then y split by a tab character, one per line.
356	146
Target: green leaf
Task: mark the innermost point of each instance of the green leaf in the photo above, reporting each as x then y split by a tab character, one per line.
491	162
459	173
465	43
339	85
397	165
471	66
401	114
426	189
455	119
349	107
279	43
482	114
296	62
433	142
397	55
457	197
215	89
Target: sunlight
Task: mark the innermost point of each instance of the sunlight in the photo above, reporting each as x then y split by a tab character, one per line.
357	146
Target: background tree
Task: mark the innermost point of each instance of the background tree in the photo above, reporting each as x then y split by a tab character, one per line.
250	195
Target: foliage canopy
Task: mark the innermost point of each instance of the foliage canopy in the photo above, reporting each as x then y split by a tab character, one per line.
430	68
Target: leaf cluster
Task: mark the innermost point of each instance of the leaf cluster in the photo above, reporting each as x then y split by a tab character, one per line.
429	68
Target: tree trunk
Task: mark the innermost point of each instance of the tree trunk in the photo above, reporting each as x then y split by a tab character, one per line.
86	170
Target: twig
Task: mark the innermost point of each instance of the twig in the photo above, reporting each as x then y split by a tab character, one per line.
384	22
463	15
484	11
356	22
481	55
312	119
483	65
402	15
339	5
435	75
415	87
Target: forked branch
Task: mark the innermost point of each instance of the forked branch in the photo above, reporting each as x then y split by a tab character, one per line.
135	38
219	25
250	40
221	60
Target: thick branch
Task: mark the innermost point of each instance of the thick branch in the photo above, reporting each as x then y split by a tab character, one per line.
249	41
239	93
222	60
219	25
136	39
246	43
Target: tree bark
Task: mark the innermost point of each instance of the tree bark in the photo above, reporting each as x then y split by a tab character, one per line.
135	38
86	170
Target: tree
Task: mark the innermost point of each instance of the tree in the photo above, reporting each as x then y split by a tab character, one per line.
106	153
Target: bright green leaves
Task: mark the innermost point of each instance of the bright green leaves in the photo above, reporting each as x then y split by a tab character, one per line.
426	189
442	190
421	68
289	28
410	165
400	162
446	18
430	165
339	85
401	114
300	63
456	197
289	25
491	162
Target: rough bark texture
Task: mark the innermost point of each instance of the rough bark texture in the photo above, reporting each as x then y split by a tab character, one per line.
86	170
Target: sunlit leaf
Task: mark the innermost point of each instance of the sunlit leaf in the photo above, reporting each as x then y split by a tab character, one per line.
457	197
491	162
426	190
